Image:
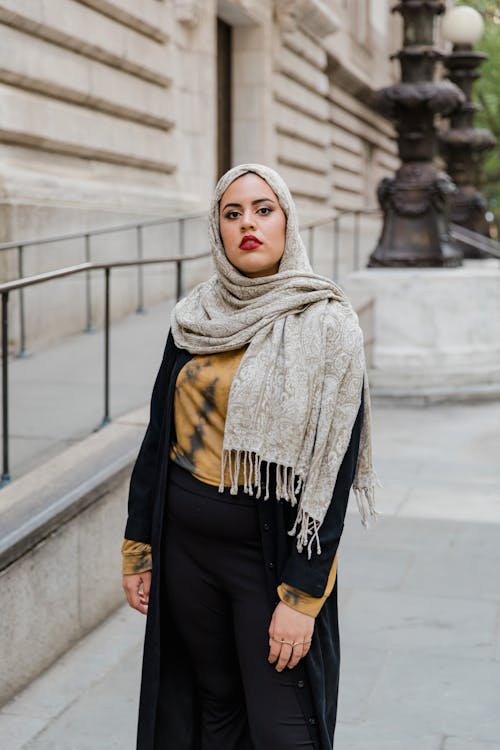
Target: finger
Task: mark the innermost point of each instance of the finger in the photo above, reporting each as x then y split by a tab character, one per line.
284	657
138	604
296	656
299	651
144	597
274	650
142	600
146	584
134	597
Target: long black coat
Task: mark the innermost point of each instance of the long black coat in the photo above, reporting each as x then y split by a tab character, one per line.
168	716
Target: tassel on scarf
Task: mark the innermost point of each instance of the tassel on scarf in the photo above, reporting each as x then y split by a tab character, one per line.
364	492
306	530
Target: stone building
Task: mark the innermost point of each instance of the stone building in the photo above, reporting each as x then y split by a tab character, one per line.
113	110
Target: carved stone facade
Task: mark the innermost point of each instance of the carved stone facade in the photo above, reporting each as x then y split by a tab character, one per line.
109	109
112	105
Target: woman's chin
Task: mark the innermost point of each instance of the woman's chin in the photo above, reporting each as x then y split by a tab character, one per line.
255	270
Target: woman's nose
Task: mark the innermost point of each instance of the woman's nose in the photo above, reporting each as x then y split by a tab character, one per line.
247	220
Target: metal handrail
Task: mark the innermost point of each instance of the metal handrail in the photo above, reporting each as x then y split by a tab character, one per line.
7	287
474	239
335	220
103	230
86	236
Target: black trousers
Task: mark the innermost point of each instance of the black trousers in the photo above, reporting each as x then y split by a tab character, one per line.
217	596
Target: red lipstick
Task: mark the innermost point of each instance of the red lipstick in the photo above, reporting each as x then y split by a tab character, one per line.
249	242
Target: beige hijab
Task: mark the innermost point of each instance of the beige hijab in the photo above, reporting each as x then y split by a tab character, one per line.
297	391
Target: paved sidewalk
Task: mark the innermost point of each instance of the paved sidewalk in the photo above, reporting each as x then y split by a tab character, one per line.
419	593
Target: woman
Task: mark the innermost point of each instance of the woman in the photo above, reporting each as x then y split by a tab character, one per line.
259	425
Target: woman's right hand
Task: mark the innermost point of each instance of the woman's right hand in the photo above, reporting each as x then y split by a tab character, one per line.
136	589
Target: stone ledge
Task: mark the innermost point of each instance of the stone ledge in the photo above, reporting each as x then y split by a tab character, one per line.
62	526
74	96
435	335
35	505
65	148
411	397
133	21
313	15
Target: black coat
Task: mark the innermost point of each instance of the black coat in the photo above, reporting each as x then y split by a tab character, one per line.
168	710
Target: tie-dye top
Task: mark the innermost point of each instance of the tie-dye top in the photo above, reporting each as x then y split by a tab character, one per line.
200	407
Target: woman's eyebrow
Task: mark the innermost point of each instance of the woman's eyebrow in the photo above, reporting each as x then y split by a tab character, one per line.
257	200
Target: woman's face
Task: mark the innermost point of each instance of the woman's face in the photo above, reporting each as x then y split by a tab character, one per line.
252	226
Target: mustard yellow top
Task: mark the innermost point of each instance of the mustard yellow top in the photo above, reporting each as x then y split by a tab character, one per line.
136	557
200	407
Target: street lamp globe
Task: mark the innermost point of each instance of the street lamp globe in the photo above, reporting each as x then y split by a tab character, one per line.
462	25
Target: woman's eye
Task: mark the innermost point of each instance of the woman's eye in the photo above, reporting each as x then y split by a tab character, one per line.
231	215
264	210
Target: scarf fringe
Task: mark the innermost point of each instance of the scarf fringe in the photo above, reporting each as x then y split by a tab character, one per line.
364	492
306	528
288	486
251	463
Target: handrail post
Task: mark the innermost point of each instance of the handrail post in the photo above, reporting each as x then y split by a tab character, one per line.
106	419
178	286
356	241
88	288
22	320
140	272
5	389
181	249
336	242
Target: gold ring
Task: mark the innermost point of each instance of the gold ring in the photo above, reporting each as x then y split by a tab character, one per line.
282	641
290	643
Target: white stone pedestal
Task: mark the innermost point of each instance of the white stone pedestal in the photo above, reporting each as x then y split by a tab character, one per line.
432	334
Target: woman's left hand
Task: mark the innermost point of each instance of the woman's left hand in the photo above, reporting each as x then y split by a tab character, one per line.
290	634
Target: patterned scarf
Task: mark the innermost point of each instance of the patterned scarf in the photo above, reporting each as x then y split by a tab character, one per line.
295	397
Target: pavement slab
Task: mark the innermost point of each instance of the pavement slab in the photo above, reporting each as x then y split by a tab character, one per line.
365	737
421	625
70	693
422	695
105	715
454	743
361	668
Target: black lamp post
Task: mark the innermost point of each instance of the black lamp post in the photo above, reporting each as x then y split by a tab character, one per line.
462	144
415	201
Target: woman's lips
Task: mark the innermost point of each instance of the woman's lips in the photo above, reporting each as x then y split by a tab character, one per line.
249	243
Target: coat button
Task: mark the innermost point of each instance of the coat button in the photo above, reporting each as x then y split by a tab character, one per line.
300	683
267	526
312	720
270	565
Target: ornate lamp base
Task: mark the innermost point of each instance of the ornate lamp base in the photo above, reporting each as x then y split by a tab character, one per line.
415	230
